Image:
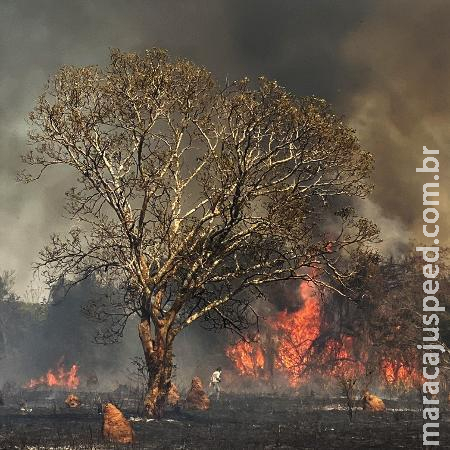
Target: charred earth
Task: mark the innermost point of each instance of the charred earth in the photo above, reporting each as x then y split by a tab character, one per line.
234	422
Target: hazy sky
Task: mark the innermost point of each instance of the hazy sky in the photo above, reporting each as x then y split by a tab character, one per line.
384	65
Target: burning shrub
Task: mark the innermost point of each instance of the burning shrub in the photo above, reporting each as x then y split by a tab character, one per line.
401	373
72	401
196	397
248	357
290	337
297	333
299	343
372	402
58	377
115	427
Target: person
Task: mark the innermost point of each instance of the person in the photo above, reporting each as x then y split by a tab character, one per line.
215	381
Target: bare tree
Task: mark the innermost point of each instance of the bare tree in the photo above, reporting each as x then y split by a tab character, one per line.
192	197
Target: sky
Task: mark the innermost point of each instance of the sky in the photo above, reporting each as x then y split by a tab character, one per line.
383	65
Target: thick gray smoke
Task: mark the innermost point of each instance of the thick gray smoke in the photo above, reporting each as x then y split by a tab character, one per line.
299	45
401	104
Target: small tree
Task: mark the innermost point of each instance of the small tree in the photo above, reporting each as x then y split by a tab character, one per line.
191	197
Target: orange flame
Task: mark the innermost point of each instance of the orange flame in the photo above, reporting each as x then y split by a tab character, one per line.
398	372
340	356
290	341
248	357
297	332
57	378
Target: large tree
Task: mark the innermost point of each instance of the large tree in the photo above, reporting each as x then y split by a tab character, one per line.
191	197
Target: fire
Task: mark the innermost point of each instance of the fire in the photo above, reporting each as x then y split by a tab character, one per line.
58	377
248	357
297	333
294	335
398	372
290	346
341	360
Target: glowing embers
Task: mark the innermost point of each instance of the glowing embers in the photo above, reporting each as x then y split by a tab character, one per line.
58	377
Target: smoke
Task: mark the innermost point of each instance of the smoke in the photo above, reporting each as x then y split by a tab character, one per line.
395	234
295	43
403	104
385	65
36	337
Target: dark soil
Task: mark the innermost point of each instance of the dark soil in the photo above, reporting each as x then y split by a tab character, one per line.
234	422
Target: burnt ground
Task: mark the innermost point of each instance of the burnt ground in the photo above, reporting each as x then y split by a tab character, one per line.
234	422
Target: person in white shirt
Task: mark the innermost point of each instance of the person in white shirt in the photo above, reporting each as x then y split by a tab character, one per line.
215	381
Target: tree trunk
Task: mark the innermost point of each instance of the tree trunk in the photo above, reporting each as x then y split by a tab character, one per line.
158	356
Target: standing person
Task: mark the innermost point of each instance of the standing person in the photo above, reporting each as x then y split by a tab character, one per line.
215	381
